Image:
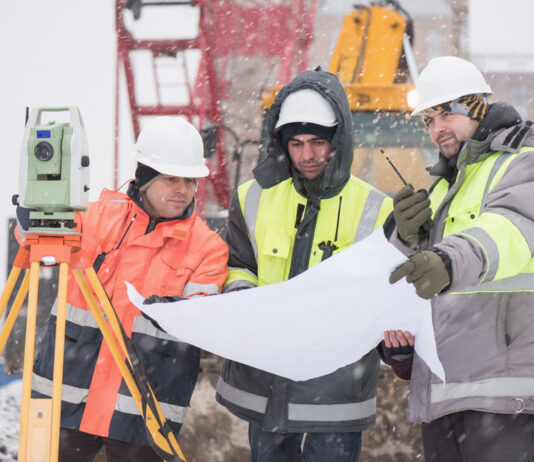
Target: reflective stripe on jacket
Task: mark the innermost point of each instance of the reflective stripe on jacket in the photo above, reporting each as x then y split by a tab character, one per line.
484	323
180	257
268	220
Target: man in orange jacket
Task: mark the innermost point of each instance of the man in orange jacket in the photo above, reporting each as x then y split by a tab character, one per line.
152	238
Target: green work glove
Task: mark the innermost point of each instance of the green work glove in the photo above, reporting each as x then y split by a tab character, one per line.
410	210
427	271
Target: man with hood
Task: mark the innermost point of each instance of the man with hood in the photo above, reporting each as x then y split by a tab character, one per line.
153	238
476	265
302	206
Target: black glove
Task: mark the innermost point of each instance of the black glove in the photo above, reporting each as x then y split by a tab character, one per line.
166	299
399	350
427	271
399	358
411	210
157	299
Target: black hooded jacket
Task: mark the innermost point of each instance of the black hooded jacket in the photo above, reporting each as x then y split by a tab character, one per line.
263	398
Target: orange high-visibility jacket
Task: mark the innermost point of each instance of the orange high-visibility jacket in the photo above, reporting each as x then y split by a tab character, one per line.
180	257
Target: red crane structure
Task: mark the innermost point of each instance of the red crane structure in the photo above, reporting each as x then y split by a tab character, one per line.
276	30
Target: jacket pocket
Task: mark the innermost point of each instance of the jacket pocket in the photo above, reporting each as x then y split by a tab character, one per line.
274	255
169	272
460	220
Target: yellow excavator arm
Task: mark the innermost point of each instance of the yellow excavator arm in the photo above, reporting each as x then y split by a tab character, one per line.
368	59
369	46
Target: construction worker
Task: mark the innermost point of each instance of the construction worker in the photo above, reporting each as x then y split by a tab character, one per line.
302	207
152	238
476	266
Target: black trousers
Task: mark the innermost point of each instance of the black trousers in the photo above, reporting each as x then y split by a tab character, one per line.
303	447
77	446
472	436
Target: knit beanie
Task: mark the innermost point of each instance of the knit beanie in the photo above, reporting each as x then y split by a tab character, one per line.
144	175
472	106
288	131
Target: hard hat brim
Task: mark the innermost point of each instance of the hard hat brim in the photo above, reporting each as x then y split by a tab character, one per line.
183	171
306	106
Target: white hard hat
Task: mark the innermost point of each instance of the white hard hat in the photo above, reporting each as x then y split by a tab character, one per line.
308	106
447	78
171	146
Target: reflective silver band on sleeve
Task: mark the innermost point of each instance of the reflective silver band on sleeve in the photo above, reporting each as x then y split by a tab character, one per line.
490	248
494	169
244	270
252	202
195	288
369	215
144	326
239	284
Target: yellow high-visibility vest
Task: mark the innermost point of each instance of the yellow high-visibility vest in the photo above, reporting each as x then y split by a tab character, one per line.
271	214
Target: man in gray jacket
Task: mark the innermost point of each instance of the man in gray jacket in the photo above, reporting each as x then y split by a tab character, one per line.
476	265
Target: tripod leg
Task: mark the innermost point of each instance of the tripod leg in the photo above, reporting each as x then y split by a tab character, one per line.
34	444
59	351
8	289
104	302
14	312
118	356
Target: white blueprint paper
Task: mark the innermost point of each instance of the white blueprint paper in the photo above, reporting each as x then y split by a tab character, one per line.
311	325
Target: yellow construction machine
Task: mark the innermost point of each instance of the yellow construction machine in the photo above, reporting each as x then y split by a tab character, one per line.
373	58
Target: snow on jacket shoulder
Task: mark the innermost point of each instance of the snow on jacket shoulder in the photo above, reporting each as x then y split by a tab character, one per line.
180	257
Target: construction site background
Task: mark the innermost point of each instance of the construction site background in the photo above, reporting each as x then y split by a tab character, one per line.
211	433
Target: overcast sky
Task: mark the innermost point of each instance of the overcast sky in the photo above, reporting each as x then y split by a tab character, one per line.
55	53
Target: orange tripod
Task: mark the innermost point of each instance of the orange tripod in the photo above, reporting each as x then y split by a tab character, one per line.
40	418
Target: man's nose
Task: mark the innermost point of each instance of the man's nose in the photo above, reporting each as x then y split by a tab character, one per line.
308	151
438	126
179	185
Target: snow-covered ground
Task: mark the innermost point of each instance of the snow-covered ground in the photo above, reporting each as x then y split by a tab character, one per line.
200	419
9	420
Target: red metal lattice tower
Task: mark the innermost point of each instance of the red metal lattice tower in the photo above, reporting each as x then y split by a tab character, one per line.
226	29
